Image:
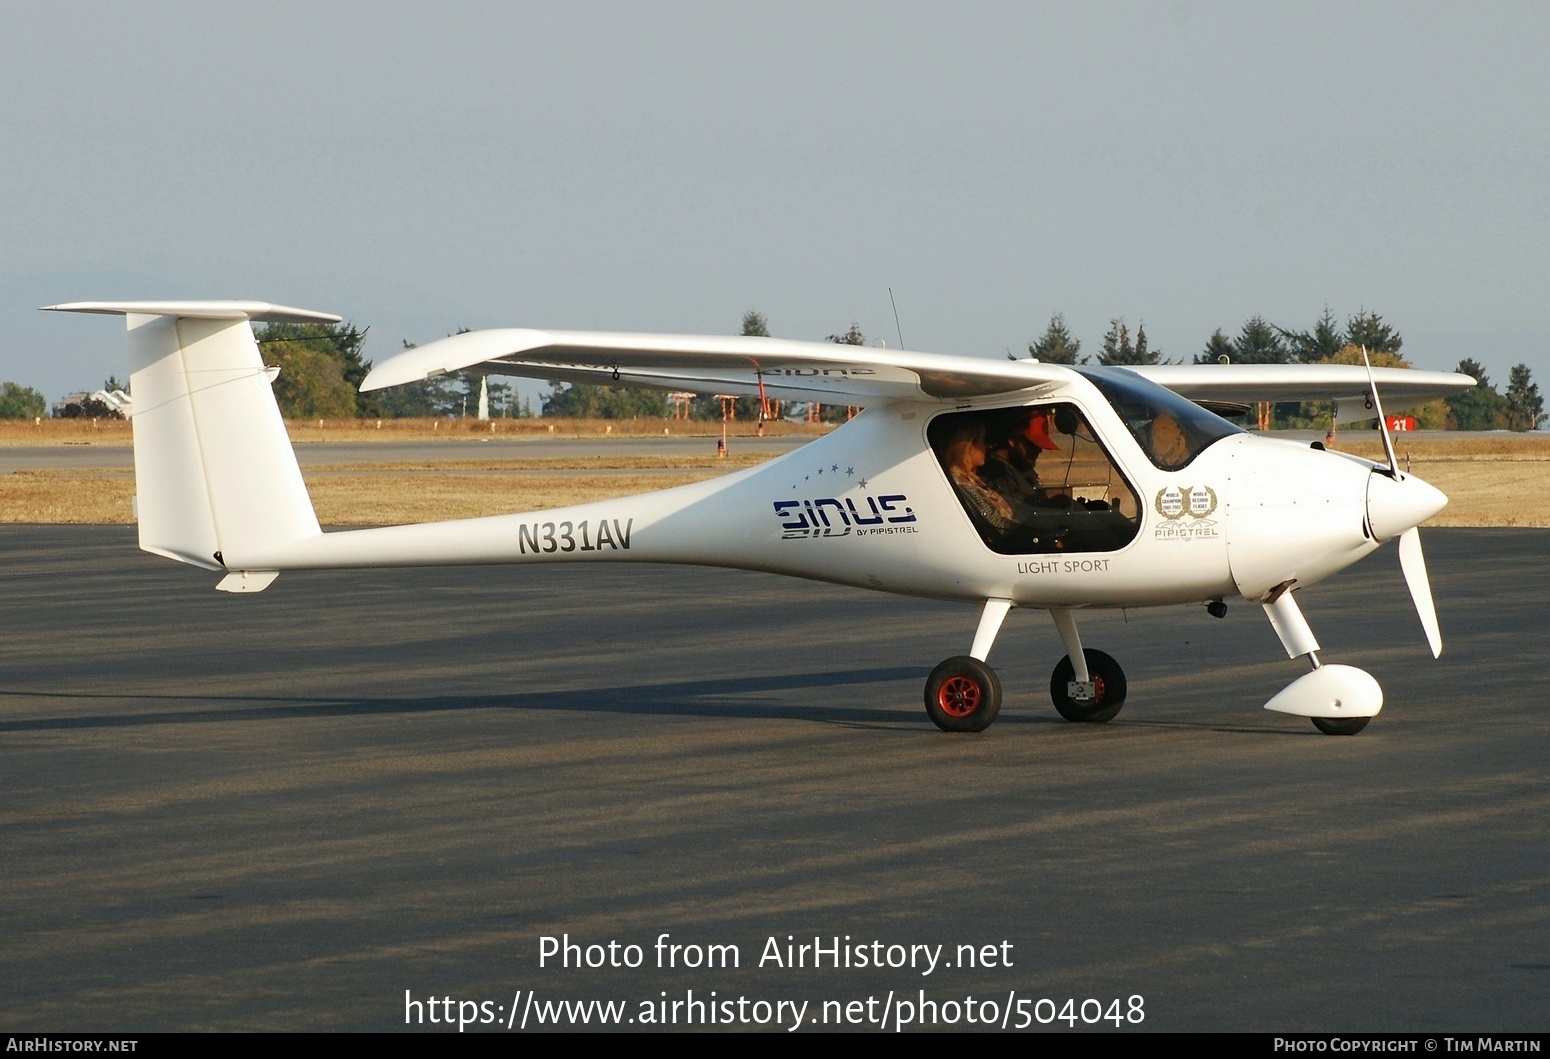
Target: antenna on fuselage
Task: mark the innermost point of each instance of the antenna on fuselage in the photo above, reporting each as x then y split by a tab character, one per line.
897	329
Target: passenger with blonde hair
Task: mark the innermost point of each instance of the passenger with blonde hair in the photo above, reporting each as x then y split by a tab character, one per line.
963	454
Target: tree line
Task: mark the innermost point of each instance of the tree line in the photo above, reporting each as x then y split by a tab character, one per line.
21	402
1259	341
322	367
321	371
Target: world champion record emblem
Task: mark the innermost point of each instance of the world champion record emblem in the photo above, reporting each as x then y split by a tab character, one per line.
1196	501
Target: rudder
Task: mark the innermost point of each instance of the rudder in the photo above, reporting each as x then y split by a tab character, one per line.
216	476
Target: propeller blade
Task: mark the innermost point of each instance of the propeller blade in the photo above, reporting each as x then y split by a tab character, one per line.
1413	563
1383	423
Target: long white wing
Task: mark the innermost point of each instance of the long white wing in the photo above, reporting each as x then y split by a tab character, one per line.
859	374
1247	383
716	364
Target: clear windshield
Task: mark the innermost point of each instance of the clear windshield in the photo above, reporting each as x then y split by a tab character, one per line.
1170	429
1034	479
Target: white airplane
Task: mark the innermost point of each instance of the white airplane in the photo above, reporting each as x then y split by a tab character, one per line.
1000	483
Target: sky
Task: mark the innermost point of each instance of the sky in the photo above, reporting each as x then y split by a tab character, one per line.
418	168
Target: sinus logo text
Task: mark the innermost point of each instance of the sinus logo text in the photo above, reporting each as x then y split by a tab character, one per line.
831	517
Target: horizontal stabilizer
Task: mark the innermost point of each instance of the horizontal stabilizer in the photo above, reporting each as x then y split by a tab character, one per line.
263	312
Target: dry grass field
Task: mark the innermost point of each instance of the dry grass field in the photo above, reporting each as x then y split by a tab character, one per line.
364	494
1490	479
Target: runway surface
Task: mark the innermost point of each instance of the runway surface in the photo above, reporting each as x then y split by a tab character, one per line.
283	811
121	457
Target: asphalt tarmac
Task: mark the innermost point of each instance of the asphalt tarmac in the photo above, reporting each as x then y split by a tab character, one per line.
283	811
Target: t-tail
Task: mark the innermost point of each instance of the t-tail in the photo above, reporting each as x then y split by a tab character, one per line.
214	469
219	487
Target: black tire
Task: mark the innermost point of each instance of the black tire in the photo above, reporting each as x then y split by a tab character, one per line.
1340	726
963	695
1109	681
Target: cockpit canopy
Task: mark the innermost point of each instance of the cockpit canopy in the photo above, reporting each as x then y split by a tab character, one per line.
1034	479
1170	429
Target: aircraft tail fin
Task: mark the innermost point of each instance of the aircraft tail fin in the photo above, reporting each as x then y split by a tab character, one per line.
215	474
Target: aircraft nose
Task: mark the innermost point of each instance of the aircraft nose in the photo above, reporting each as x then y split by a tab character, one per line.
1395	505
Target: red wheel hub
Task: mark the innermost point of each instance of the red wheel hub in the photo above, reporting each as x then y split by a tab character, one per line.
960	696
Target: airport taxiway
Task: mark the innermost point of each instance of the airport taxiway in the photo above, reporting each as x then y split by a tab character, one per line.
282	811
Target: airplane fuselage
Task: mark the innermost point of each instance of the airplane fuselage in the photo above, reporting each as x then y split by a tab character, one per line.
871	505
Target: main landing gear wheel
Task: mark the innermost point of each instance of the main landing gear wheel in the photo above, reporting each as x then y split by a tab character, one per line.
1108	691
963	695
1340	725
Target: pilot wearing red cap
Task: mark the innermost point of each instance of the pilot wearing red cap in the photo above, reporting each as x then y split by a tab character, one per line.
1039	423
1010	468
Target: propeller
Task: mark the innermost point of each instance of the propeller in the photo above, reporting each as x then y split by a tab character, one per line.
1413	563
1406	502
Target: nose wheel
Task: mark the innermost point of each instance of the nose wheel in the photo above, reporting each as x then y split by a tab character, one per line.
1094	700
963	695
1340	725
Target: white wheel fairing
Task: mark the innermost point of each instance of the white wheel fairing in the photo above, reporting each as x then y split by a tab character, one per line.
1333	691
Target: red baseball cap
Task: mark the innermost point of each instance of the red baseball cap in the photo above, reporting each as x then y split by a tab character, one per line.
1038	431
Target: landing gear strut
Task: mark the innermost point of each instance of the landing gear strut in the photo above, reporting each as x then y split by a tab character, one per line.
1339	700
1093	691
963	693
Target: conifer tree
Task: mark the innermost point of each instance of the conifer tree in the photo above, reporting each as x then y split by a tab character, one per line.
1118	349
1477	409
853	337
1217	347
755	324
1368	330
1145	354
1316	346
1259	343
1056	345
1524	406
